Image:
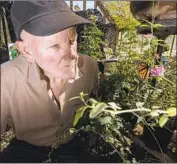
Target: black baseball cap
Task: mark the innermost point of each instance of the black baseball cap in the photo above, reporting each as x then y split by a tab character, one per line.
43	18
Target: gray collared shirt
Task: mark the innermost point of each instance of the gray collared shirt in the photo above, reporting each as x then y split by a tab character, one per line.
27	107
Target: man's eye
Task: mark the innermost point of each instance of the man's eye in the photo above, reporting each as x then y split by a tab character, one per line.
56	47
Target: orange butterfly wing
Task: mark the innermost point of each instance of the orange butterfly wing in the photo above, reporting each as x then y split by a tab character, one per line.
143	70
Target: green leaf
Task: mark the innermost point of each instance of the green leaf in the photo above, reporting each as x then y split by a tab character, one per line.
97	109
154	113
82	95
93	101
155	107
79	114
114	105
72	130
171	111
140	119
139	104
105	120
163	120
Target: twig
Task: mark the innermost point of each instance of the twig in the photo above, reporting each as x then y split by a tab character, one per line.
128	111
168	81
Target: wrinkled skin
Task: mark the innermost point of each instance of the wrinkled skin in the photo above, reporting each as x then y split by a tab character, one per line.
55	54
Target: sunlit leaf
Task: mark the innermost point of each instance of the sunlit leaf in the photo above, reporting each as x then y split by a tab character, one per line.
105	120
79	114
171	111
163	120
173	149
114	105
139	104
72	130
154	113
93	100
139	119
97	109
82	95
155	107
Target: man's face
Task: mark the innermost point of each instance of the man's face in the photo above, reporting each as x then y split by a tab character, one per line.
56	54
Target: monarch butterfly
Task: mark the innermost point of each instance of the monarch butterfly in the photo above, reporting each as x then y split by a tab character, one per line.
143	70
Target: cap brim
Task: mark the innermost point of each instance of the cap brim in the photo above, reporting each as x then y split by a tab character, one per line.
53	23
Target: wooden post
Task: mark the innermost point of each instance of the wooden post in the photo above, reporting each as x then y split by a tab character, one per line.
4	30
117	41
71	4
84	5
95	4
171	48
104	11
11	33
142	43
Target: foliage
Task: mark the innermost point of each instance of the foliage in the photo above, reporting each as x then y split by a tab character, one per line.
104	119
120	12
127	92
6	138
125	86
13	51
91	41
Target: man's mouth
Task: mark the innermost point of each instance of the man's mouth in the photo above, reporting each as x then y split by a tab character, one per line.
68	66
65	66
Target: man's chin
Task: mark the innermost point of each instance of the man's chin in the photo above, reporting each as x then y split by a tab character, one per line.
66	77
69	78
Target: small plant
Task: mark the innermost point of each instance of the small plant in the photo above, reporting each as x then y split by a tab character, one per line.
105	120
149	105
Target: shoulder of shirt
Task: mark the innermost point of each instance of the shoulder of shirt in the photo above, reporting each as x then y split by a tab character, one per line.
11	67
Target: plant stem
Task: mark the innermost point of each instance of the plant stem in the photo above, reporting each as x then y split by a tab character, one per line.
168	81
128	111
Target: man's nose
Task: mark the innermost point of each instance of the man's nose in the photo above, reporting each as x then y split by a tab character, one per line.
72	54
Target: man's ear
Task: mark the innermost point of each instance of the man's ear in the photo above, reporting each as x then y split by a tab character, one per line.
20	45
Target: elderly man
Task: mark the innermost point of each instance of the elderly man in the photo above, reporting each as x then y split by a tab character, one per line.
37	86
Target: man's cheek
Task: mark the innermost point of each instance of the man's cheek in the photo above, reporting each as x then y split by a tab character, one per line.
52	63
